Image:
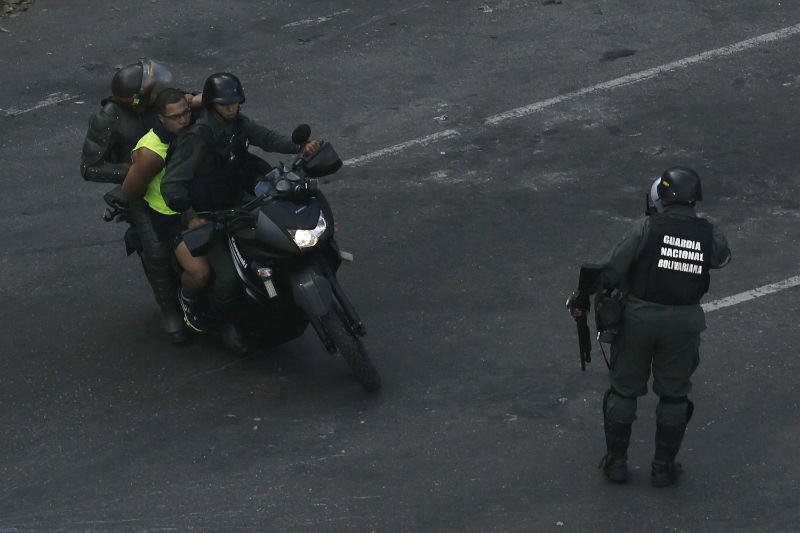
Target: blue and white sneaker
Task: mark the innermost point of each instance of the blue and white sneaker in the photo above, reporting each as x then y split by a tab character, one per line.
193	314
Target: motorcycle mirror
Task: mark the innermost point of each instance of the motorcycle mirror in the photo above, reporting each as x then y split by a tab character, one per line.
301	134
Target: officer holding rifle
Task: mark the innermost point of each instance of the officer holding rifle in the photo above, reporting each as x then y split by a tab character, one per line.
660	268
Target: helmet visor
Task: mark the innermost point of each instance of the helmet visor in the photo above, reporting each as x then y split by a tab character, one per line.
654	196
155	77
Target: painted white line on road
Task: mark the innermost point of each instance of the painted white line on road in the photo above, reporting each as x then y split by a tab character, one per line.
50	99
644	75
446	134
630	79
751	294
314	22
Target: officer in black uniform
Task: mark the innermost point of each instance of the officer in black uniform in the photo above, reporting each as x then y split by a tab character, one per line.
209	168
662	263
113	132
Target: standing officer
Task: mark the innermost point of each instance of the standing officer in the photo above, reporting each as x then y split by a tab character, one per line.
663	264
113	132
209	168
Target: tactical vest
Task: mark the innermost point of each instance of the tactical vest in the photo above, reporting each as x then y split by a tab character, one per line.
221	184
153	196
673	267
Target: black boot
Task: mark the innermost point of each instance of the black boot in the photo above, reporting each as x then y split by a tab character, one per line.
157	259
668	441
174	327
234	339
615	461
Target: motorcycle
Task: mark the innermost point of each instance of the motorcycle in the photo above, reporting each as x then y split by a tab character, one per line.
283	249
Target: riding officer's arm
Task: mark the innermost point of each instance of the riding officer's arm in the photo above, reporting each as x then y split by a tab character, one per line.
99	139
180	171
195	100
618	261
146	164
266	139
720	252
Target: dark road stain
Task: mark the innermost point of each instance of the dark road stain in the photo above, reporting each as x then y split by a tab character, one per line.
613	55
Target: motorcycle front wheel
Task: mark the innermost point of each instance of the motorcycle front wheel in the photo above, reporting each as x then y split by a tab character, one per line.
353	352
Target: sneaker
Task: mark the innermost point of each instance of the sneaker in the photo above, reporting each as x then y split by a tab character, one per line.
193	315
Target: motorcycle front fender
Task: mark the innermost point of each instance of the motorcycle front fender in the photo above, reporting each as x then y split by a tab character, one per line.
312	292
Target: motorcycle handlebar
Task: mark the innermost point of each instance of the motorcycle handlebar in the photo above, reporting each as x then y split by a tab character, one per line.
224	215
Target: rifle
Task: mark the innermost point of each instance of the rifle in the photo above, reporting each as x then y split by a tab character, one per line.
587	284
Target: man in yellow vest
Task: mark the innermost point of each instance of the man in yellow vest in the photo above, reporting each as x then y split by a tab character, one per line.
143	180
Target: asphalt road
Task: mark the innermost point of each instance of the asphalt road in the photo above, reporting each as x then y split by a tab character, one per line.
465	246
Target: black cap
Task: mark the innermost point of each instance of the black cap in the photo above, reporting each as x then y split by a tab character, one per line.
680	185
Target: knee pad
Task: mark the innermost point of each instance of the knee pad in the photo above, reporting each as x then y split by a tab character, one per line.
155	253
674	410
618	408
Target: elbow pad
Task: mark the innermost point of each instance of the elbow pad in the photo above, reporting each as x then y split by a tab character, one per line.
102	127
104	173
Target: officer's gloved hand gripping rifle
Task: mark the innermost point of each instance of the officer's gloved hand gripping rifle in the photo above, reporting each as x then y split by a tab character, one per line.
578	305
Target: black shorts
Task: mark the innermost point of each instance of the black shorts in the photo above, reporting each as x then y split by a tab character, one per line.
167	227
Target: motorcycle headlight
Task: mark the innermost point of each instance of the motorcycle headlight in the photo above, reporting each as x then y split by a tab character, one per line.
306	238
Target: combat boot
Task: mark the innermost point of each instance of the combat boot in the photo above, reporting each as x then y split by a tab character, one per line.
665	470
157	264
173	325
234	339
615	461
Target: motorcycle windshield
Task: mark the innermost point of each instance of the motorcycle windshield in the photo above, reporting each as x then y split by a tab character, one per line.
293	215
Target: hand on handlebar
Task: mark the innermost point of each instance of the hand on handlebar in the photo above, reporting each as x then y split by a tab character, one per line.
310	148
196	221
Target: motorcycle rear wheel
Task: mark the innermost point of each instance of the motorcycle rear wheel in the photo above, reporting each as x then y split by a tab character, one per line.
353	352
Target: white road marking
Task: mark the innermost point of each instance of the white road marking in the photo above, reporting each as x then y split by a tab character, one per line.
50	99
314	22
745	296
644	75
446	134
630	79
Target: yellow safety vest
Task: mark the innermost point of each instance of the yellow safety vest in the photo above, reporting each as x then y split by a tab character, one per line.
153	197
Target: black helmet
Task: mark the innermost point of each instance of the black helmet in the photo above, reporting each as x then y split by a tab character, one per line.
222	88
127	82
133	84
680	185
